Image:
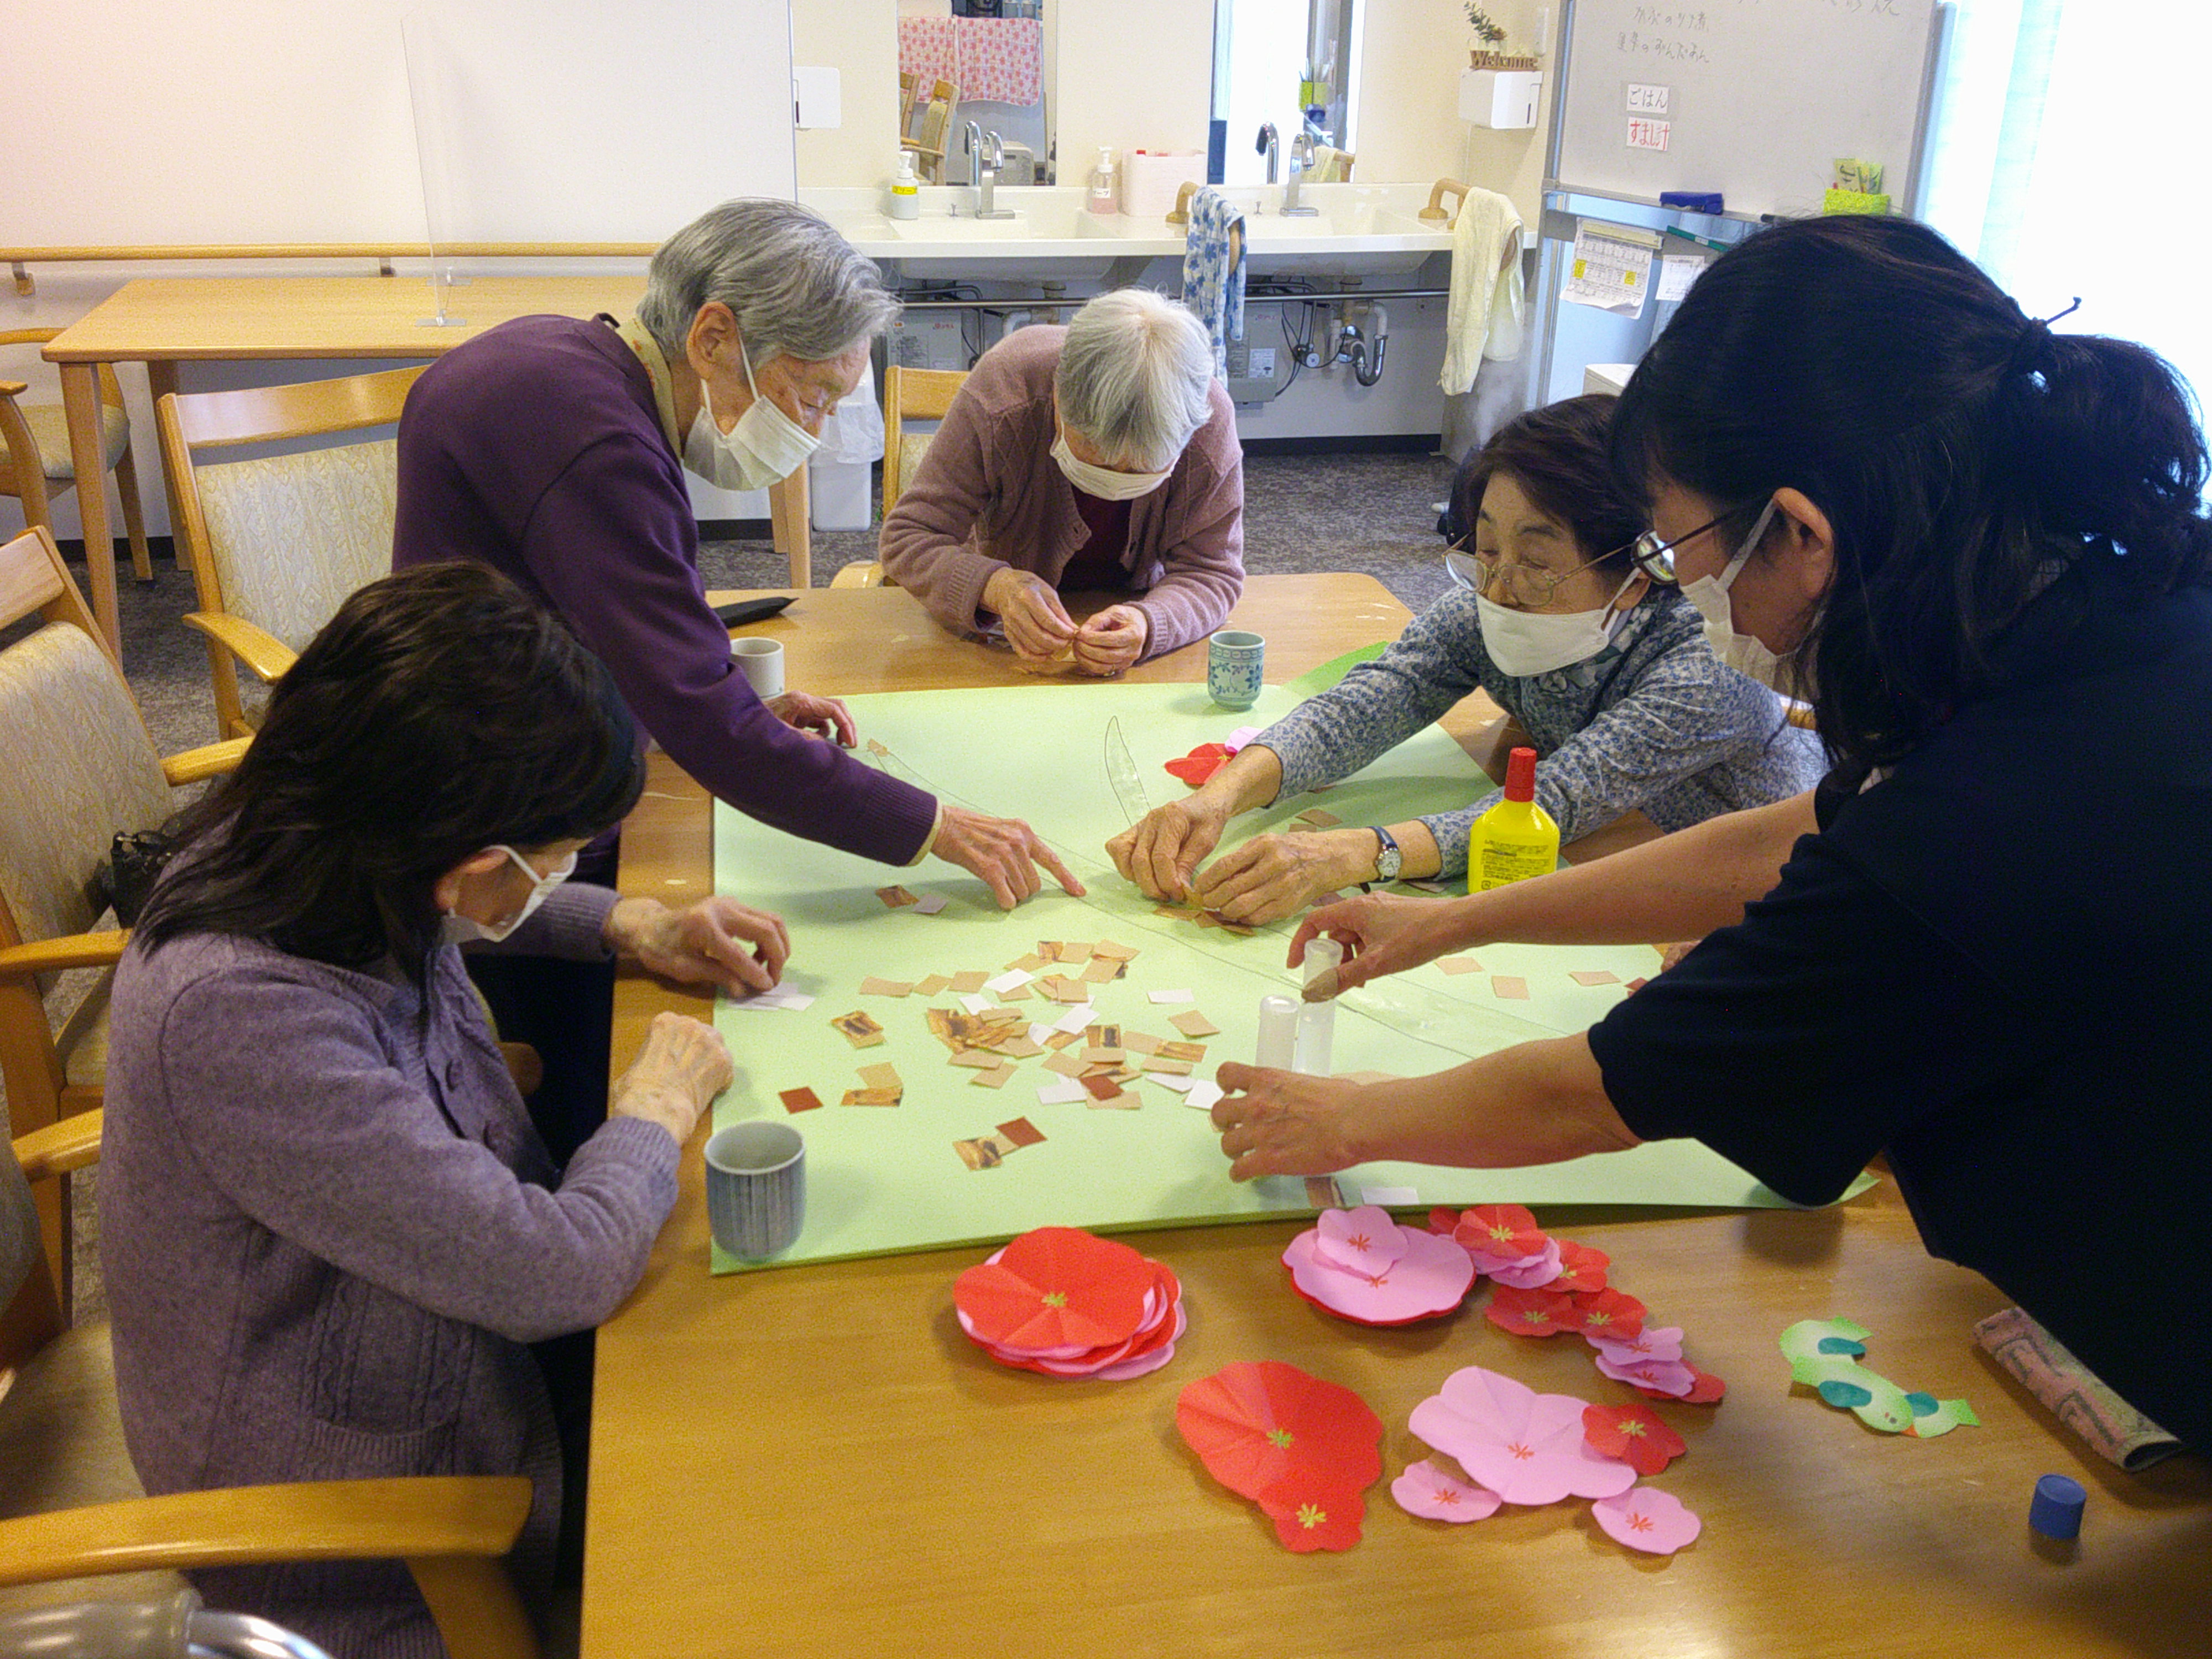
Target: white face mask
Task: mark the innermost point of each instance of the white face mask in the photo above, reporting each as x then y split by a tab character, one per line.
1103	481
456	929
1745	652
765	447
1525	642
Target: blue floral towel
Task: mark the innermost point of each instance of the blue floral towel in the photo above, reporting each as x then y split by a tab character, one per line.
1214	271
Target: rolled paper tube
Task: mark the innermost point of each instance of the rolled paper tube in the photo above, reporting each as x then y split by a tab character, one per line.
1323	956
1279	1033
1322	986
1316	1038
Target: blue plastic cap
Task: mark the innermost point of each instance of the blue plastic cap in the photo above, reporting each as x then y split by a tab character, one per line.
2057	1510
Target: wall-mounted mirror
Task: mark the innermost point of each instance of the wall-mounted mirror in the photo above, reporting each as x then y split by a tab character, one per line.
1283	64
991	61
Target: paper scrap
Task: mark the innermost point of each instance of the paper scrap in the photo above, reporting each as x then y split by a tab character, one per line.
871	1098
895	897
1022	1132
929	904
1118	953
883	1076
859	1029
1017	993
1066	1065
780	996
1007	981
1140	1043
983	1154
1098	1056
1075	1018
1202	1095
1062	1093
1510	987
1099	1086
1073	951
998	1078
1182	1051
1459	964
1593	976
1171	996
1181	1082
1384	1197
1103	970
1120	1101
972	980
978	1004
981	1060
873	987
931	986
800	1100
1324	1193
1315	818
1195	1024
1159	1065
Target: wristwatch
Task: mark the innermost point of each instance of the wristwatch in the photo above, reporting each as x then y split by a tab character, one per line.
1387	860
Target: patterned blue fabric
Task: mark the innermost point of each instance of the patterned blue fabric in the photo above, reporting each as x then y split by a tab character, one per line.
1214	281
1651	721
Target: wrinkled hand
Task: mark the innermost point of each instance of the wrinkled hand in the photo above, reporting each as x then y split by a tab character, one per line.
1284	1123
1671	954
1029	608
822	717
1003	852
1274	875
1382	934
1160	852
680	1067
1112	640
717	941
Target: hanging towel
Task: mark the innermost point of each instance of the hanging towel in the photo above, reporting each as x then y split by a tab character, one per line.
1331	166
1486	314
1214	271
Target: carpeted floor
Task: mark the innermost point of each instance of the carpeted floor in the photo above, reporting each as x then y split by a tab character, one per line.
1374	514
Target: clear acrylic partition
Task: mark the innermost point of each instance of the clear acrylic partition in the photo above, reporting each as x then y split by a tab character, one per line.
430	93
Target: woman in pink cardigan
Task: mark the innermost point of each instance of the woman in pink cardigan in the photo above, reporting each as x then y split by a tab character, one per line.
1100	456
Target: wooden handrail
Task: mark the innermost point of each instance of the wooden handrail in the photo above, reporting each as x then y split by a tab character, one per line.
18	259
1434	214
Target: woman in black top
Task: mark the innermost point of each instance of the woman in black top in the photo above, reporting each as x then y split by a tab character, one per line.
1979	549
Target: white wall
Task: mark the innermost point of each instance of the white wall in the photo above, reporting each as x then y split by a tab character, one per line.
859	39
1135	74
1408	124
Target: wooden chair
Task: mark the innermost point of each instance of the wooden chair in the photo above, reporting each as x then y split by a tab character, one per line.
276	544
928	144
910	394
71	1508
81	766
37	466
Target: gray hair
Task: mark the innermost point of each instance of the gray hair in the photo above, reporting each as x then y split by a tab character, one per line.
796	286
1135	377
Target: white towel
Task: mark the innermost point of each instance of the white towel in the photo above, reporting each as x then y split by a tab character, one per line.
1486	316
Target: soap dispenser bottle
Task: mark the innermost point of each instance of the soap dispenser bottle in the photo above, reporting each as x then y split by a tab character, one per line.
1105	195
906	190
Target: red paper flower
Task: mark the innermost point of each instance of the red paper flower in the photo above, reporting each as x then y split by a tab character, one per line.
1444	1222
1505	1232
1633	1434
1201	764
1608	1313
1581	1268
1311	1512
1707	1390
1057	1287
1531	1313
1255	1425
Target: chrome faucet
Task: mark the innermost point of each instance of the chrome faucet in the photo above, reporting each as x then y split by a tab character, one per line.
1269	145
983	169
1302	157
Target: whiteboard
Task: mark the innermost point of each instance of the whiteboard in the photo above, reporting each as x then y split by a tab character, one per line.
290	120
1760	97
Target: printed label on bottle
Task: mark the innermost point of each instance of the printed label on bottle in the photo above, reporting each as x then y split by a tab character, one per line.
1497	866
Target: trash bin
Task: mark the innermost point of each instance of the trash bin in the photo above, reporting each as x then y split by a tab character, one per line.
841	476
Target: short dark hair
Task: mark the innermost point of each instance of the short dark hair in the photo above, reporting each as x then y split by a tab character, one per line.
1558	455
441	711
1957	447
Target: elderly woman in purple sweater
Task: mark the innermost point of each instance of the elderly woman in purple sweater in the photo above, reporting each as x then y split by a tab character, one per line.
330	1232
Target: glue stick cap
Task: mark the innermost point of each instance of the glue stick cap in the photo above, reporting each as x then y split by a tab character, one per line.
2055	1510
1520	775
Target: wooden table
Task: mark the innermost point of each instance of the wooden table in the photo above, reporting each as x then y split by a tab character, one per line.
162	321
814	1460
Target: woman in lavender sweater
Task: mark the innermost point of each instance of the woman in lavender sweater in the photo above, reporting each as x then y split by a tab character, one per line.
329	1230
1607	677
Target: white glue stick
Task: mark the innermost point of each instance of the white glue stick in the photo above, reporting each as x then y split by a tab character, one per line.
1316	1037
1279	1032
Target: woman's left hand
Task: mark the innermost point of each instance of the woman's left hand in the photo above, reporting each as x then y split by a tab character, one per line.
1284	1123
1276	875
823	717
1112	640
717	941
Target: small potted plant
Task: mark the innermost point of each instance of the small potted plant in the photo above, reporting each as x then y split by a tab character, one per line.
1492	34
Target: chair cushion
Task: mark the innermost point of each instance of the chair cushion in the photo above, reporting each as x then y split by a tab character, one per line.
293	535
80	767
913	446
49	425
61	1448
82	1039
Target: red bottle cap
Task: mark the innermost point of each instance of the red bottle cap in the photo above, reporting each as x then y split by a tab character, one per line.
1520	775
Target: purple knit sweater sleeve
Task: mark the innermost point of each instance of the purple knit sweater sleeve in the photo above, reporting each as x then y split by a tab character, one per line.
372	1177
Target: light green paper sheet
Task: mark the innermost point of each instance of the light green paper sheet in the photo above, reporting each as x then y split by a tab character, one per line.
883	1179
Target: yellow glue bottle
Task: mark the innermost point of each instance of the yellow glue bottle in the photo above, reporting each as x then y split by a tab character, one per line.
1515	839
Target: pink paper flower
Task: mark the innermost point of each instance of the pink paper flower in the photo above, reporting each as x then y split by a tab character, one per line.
1634	1434
1580	1268
1362	1240
1427	1490
1643	1519
1528	1447
1496	1234
1530	1271
1667	1379
1430	1278
1662	1342
1529	1313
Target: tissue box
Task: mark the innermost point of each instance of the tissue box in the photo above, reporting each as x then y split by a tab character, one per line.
1500	98
1152	178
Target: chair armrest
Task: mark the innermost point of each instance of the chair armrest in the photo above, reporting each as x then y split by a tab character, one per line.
51	956
13	388
258	649
427	1515
72	1143
209	761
